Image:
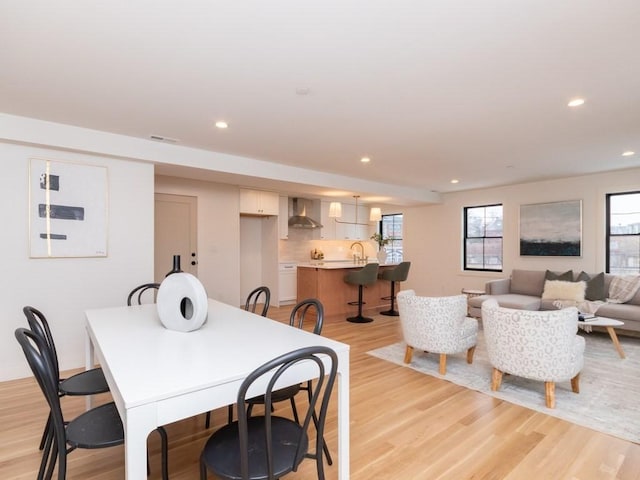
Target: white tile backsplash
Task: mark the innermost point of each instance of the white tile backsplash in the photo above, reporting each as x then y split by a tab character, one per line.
300	244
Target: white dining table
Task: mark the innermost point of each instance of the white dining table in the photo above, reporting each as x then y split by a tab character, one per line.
158	376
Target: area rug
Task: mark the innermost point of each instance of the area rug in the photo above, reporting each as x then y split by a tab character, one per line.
609	398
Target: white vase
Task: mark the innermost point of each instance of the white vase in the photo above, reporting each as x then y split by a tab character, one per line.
382	256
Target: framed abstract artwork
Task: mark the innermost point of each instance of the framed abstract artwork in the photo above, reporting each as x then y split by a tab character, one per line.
551	229
67	209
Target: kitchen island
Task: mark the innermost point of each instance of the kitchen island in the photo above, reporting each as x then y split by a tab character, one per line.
325	281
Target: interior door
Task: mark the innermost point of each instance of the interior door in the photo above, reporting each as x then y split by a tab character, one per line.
175	233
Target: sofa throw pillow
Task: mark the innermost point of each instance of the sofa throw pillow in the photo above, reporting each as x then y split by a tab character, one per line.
623	288
527	282
565	277
595	286
561	290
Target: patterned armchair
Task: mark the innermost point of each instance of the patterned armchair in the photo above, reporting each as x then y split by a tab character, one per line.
539	345
437	325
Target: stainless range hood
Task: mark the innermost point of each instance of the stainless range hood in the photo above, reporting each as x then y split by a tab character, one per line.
299	218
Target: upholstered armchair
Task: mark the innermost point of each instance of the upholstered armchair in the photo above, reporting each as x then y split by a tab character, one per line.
437	325
539	345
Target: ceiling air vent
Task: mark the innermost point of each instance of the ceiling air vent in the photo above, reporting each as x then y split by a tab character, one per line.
160	138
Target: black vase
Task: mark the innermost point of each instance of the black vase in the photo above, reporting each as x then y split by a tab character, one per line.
176	265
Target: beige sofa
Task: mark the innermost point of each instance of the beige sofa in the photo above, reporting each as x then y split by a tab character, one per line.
523	291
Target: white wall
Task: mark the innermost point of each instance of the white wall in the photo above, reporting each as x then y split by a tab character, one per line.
250	255
218	234
63	288
433	234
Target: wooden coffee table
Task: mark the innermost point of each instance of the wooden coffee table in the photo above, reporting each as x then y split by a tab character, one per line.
609	324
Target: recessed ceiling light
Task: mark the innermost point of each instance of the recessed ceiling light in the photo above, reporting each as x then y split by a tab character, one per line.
628	153
455	180
222	124
365	159
576	102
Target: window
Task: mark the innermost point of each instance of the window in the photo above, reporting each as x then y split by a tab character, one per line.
391	226
623	233
483	238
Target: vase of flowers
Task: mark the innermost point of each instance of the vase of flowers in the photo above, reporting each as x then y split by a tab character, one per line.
382	242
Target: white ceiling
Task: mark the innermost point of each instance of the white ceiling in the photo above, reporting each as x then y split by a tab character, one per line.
429	90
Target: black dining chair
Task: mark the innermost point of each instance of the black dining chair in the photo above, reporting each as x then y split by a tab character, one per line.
253	300
255	297
89	382
136	295
296	319
99	427
270	446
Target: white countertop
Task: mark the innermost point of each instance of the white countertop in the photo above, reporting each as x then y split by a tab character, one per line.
336	265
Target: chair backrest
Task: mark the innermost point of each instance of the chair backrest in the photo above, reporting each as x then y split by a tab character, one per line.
300	310
136	294
269	374
367	275
542	340
397	274
430	321
253	299
39	358
40	327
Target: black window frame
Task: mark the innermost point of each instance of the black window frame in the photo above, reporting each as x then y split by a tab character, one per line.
609	235
484	237
399	239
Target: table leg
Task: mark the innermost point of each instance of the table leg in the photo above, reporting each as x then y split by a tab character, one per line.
88	365
343	418
616	342
137	427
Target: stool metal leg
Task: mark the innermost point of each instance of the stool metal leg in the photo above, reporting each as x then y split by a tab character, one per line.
359	318
392	311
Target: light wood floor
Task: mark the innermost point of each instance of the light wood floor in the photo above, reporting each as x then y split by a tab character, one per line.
404	425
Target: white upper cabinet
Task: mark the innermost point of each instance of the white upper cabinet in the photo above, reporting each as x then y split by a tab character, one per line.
283	218
258	202
328	230
364	232
348	227
347	230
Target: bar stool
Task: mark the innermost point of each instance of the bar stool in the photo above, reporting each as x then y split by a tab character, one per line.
365	276
398	274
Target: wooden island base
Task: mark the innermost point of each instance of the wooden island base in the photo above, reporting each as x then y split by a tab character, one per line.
327	285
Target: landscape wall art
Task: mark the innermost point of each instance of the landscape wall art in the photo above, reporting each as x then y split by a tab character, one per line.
551	229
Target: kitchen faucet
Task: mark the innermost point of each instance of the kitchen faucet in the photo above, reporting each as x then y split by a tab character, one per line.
362	257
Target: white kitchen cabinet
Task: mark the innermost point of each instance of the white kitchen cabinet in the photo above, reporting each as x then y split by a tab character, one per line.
287	279
328	230
258	202
364	232
346	228
283	218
